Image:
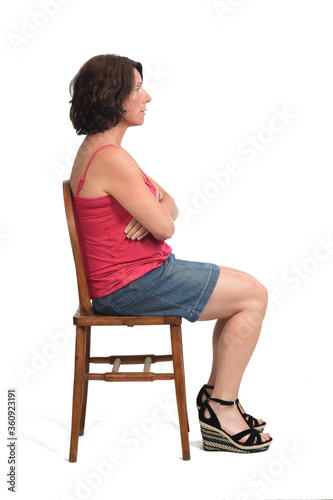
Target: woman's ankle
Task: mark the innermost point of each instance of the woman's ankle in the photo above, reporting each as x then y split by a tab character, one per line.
223	395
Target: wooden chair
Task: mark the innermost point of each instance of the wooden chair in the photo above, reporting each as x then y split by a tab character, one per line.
85	318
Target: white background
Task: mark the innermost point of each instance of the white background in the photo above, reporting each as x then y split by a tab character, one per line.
218	72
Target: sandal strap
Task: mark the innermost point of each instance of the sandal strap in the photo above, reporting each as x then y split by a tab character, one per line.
253	422
204	390
253	435
203	394
233	402
212	419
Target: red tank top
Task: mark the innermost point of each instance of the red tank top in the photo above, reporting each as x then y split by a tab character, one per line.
110	259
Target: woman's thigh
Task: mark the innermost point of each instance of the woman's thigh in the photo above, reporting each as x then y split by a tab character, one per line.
223	268
235	291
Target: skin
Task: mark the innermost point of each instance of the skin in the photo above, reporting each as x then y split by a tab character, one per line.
238	302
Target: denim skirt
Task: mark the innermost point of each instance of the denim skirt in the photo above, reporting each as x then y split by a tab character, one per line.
176	288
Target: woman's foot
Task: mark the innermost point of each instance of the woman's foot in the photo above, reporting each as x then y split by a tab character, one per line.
206	392
231	420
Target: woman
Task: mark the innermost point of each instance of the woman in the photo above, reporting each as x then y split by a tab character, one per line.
124	218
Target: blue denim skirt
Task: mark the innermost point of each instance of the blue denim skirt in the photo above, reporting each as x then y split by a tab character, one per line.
176	288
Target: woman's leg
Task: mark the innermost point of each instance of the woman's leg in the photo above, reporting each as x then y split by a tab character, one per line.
217	332
239	304
219	327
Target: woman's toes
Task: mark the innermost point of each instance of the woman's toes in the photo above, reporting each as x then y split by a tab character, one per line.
265	437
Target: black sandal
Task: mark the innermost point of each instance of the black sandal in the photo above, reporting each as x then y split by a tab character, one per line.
253	422
216	439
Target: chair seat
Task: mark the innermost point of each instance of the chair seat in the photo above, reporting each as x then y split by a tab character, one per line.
91	319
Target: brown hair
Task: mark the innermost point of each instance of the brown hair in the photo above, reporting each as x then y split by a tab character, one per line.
98	92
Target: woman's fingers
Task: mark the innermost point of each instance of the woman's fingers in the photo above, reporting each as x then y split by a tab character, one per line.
130	226
159	195
138	232
143	235
135	230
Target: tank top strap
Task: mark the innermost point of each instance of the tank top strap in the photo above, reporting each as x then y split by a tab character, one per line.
81	182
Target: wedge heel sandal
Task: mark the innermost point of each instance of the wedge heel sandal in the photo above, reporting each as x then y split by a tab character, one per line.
216	439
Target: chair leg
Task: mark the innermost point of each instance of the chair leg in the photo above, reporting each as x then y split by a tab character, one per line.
85	382
77	391
178	365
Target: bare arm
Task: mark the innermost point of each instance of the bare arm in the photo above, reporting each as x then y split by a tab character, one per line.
166	200
125	183
136	231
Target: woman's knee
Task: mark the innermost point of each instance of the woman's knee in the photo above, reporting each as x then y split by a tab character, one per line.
259	296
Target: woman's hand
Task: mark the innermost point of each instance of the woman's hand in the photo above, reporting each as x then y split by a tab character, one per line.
135	230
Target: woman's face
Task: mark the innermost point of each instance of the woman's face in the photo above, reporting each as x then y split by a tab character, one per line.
135	105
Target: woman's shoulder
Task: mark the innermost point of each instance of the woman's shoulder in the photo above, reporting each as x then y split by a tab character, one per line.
95	156
90	148
99	152
104	159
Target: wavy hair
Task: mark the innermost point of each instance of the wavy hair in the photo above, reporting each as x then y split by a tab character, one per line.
98	92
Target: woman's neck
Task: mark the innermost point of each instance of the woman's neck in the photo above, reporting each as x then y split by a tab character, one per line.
113	135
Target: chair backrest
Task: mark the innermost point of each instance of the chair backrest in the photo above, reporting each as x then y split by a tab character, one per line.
84	298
